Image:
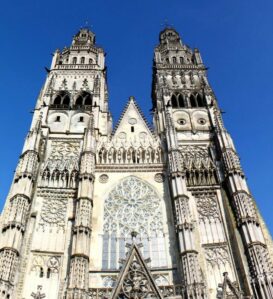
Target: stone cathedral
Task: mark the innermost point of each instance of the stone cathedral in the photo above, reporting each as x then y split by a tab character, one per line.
132	211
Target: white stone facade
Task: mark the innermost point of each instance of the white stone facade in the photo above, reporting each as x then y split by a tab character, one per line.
133	212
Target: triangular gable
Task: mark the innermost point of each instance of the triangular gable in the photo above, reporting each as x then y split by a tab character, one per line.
135	280
228	290
132	116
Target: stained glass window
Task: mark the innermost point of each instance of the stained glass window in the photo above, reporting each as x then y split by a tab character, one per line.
133	205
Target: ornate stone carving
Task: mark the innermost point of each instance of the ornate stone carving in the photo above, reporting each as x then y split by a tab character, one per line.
183	214
54	211
244	207
103	178
109	281
260	262
48	264
135	280
54	208
161	280
17	210
133	206
229	290
79	269
207	207
159	177
217	256
61	168
231	161
38	294
8	263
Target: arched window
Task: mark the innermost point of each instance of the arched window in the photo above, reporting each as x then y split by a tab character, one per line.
174	101
66	100
74	60
62	100
181	60
193	101
90	61
88	100
79	101
174	60
167	60
57	100
133	205
181	102
200	101
82	60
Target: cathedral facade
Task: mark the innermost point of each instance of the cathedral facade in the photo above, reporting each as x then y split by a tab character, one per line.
131	212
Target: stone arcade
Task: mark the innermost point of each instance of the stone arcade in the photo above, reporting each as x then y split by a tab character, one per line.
132	212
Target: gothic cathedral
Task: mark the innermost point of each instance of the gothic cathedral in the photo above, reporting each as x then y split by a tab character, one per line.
131	212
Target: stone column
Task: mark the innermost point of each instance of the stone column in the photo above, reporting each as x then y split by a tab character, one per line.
79	264
192	276
16	211
260	264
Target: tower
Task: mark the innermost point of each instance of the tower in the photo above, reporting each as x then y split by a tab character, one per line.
134	211
218	227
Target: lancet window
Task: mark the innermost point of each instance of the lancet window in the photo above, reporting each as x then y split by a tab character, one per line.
178	101
84	100
197	100
61	100
133	205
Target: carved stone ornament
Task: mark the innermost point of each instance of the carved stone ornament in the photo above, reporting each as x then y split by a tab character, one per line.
217	256
38	294
103	178
135	280
159	177
207	207
54	211
45	262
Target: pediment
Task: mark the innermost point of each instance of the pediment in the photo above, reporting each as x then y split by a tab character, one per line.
132	124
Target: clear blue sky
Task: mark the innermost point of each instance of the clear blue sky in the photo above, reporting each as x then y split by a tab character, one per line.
235	39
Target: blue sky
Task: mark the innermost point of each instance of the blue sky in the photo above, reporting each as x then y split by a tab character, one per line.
235	39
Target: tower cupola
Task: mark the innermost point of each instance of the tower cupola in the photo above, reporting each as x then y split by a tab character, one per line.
84	37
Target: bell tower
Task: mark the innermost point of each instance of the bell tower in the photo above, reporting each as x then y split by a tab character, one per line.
46	224
219	229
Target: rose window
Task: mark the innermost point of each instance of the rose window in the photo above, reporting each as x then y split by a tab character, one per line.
133	205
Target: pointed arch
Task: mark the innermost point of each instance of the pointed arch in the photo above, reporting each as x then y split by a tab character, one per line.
79	101
174	101
133	205
200	100
193	101
57	100
181	102
66	100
